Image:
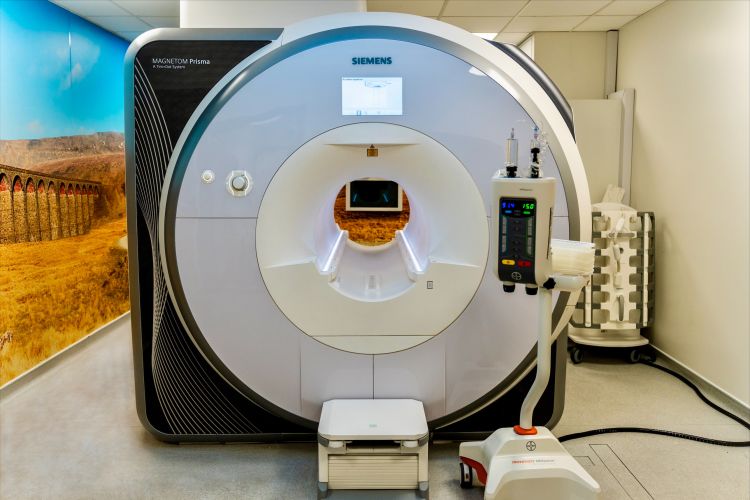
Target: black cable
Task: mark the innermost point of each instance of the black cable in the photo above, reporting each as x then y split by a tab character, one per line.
643	430
680	435
697	391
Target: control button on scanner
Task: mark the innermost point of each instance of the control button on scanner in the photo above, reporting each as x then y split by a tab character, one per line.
239	183
208	176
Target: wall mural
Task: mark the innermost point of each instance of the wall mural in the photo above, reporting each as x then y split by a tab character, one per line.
63	256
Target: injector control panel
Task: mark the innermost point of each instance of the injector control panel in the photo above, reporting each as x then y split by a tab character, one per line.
521	228
517	240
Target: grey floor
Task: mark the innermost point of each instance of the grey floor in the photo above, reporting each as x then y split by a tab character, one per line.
72	432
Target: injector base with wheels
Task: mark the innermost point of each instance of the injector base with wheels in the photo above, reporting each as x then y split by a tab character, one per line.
514	466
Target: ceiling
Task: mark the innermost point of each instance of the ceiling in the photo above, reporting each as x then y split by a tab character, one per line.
512	21
509	21
126	18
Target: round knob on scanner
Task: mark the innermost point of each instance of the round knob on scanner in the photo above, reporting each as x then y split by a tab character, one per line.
239	183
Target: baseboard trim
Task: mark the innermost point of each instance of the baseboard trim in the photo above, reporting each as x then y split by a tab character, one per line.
705	384
29	375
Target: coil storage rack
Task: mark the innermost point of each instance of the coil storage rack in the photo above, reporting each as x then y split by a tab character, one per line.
619	300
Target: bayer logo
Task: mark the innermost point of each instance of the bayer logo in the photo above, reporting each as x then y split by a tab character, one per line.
516	275
530	445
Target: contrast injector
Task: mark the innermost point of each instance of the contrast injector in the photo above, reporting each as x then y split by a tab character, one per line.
535	150
526	254
521	218
511	154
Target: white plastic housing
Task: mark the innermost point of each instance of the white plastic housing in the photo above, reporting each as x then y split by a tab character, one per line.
314	273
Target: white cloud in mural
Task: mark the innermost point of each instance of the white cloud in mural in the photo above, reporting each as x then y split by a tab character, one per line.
76	74
62	53
35	127
65	83
53	60
86	54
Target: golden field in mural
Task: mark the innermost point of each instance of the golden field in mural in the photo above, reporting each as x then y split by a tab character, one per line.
55	291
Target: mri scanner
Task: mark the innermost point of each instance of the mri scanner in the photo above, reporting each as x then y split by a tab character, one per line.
251	306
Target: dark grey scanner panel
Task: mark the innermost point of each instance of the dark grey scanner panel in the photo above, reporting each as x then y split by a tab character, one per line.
183	394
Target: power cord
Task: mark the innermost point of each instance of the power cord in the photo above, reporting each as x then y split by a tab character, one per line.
679	435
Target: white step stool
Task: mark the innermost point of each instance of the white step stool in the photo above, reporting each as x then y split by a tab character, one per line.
372	444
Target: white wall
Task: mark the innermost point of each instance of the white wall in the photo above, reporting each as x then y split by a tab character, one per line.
598	128
688	61
575	61
528	46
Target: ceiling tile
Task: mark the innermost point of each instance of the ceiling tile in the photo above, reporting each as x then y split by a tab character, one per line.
478	24
498	8
119	23
86	8
514	38
162	22
629	7
128	35
529	24
417	7
563	7
604	23
151	8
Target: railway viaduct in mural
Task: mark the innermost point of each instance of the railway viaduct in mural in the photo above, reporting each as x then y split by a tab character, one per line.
39	207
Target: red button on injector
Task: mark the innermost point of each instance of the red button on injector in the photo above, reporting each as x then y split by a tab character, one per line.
524	263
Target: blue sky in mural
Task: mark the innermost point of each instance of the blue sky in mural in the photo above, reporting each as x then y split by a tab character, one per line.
59	74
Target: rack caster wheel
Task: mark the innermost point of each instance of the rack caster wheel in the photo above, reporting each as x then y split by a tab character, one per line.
634	356
466	478
576	355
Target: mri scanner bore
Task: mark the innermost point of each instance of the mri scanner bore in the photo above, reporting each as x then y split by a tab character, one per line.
253	306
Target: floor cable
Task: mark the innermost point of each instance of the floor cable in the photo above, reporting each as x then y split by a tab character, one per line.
679	435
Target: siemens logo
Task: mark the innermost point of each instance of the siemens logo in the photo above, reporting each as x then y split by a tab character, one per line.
371	60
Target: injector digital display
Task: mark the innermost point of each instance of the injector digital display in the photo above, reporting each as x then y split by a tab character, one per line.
517	243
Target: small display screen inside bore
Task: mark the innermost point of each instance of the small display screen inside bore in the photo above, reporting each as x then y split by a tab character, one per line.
373	194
